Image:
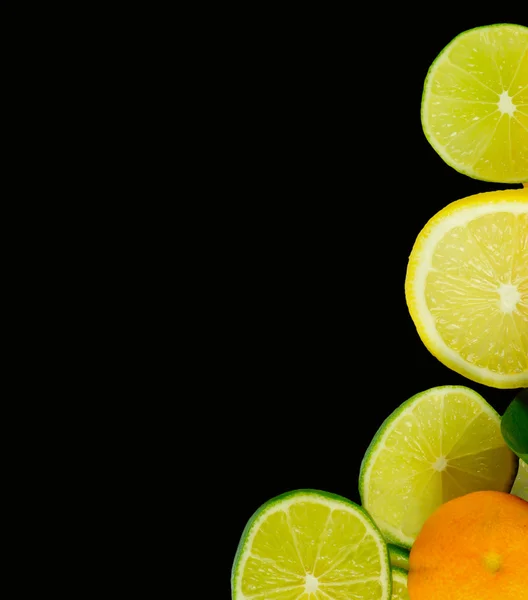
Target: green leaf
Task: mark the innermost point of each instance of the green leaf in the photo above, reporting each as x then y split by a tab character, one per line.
514	425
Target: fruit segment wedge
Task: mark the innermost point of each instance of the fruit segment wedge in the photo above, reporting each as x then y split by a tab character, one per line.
311	545
440	444
466	287
475	103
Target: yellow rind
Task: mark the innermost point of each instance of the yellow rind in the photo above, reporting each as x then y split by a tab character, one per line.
510	196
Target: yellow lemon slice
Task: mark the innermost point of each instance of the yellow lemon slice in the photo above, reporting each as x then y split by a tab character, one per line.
466	287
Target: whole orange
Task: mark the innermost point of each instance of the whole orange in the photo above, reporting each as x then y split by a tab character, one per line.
474	547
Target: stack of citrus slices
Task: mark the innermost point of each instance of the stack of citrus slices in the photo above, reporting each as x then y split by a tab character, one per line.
444	498
467	280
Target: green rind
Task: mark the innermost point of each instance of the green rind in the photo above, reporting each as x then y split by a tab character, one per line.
380	432
401	572
301	492
398	553
428	76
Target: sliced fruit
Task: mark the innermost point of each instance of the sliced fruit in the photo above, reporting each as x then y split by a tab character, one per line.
466	287
311	545
475	103
399	557
438	445
520	486
399	584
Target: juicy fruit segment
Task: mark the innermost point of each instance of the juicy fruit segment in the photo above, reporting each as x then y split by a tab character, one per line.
438	445
467	287
520	486
399	557
399	584
475	548
475	103
486	263
309	545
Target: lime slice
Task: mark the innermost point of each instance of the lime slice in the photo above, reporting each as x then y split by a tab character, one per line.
438	445
475	103
311	545
466	287
520	486
399	557
399	584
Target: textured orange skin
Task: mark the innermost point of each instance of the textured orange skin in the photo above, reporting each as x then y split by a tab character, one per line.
447	560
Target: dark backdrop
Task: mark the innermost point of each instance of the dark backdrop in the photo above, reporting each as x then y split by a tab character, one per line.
335	179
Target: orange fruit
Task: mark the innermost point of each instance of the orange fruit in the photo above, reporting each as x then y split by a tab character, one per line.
474	547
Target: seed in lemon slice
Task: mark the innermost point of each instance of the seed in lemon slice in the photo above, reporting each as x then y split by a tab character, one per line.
475	103
520	486
399	557
311	545
466	287
399	584
440	444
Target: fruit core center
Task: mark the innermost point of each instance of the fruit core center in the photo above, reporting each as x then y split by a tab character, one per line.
440	464
509	296
492	562
505	104
311	584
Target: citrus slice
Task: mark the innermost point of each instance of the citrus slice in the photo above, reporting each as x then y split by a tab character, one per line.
440	444
399	557
520	486
311	545
475	103
399	584
467	287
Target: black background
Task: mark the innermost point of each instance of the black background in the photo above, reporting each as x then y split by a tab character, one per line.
336	180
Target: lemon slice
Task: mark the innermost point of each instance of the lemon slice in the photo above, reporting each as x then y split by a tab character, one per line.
399	584
311	545
475	103
399	557
466	287
440	444
520	486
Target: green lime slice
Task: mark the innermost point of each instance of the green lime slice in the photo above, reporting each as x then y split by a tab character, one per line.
475	103
399	557
440	444
520	486
399	584
311	545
